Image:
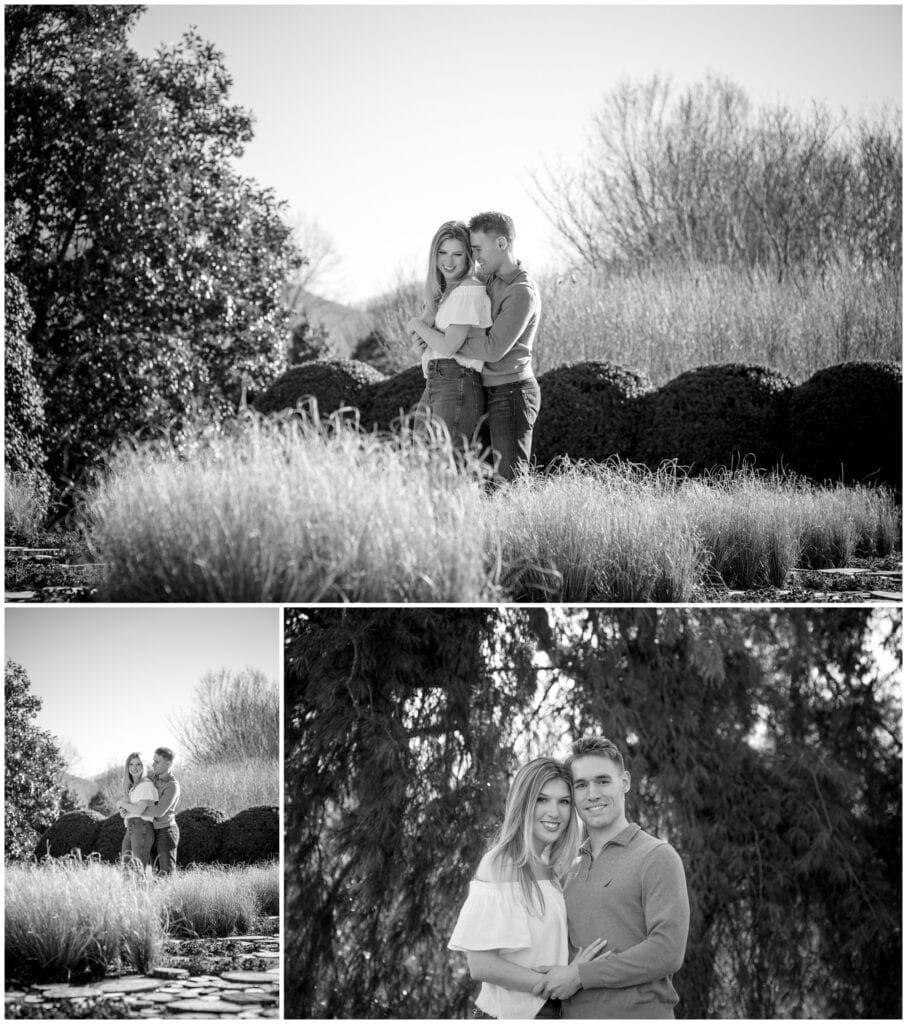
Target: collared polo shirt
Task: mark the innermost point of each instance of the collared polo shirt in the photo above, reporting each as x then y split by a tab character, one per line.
506	349
167	801
633	894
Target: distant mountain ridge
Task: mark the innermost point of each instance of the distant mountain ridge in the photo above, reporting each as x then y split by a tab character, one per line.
344	325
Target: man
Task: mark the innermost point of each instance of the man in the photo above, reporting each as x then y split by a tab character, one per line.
512	392
166	830
628	888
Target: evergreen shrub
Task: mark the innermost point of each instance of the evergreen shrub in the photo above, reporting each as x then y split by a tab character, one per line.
845	424
109	838
250	836
200	835
588	412
333	383
75	830
387	398
717	416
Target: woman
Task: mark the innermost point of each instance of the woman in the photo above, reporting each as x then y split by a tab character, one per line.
456	307
514	916
138	793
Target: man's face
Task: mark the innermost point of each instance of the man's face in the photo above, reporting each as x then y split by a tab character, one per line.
599	790
159	764
488	250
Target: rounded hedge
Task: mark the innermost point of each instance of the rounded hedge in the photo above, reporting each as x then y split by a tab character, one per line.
249	836
845	424
200	835
75	830
718	416
387	398
109	838
333	383
588	411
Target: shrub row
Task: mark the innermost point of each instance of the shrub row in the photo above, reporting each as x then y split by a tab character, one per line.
841	425
207	836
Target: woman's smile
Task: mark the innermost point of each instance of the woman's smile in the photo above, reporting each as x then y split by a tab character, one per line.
552	813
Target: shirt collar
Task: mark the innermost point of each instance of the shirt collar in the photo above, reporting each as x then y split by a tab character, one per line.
512	276
623	838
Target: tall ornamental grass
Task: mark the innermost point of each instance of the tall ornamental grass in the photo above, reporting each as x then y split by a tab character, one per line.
667	319
291	510
584	532
394	519
209	901
73	919
618	532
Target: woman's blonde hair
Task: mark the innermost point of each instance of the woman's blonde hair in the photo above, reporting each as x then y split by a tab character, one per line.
435	282
127	778
512	850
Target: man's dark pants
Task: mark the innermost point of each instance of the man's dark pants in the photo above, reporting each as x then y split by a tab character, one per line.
166	840
511	411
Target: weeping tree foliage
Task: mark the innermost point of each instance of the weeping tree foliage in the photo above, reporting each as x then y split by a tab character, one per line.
763	745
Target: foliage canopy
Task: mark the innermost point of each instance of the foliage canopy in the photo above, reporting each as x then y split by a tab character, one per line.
154	270
32	793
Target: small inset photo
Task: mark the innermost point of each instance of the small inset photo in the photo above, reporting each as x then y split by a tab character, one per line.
142	829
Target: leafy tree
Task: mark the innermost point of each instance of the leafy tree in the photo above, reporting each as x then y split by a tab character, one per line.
764	745
153	269
32	795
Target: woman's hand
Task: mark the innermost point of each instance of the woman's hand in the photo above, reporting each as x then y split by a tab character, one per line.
415	326
590	952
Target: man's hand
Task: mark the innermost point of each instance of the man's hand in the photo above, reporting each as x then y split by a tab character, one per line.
558	983
562	982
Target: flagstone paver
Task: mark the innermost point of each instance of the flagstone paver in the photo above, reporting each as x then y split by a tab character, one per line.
168	992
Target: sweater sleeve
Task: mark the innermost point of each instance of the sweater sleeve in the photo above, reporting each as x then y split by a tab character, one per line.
168	799
667	920
512	320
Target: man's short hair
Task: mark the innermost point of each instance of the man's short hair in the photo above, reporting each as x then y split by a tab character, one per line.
595	746
166	753
493	223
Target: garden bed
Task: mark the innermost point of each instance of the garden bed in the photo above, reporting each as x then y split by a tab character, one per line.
195	979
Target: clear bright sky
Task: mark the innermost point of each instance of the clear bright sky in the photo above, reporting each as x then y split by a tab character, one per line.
380	122
112	679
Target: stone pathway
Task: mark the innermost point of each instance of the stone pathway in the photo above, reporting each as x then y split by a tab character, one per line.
168	992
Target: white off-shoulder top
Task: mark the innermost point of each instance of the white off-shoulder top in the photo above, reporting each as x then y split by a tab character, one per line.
468	304
143	790
495	916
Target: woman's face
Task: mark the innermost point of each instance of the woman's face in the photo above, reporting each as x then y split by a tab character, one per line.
135	767
452	259
551	815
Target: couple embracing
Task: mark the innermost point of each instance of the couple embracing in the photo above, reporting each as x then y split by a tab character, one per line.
554	928
148	809
475	336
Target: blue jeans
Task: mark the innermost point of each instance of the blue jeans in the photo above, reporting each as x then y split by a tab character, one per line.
137	841
454	395
166	841
512	411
